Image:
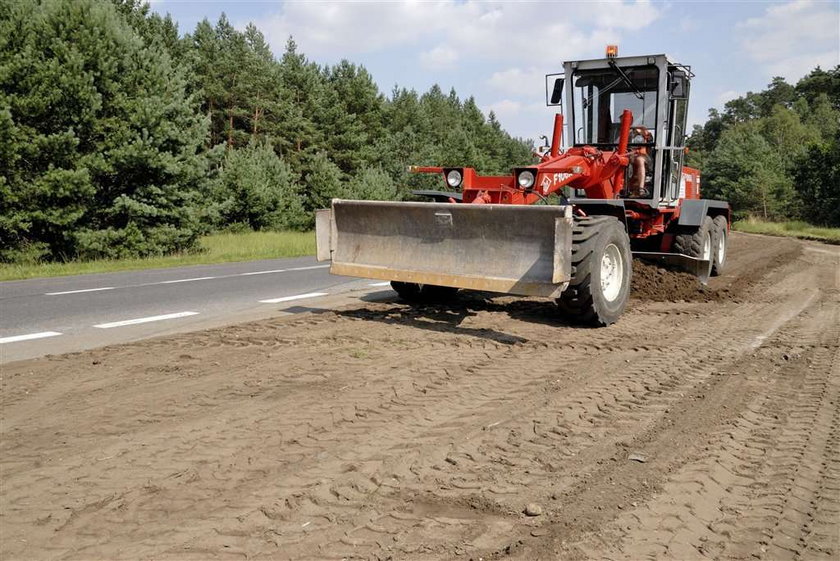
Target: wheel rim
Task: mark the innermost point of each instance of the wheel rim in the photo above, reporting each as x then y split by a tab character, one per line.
612	272
707	247
721	248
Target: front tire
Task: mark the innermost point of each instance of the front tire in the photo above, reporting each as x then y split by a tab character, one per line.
426	293
602	268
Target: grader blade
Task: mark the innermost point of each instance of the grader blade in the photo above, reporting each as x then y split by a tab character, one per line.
698	267
512	249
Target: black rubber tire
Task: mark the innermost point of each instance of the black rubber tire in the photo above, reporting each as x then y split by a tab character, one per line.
720	234
584	300
409	291
426	293
691	241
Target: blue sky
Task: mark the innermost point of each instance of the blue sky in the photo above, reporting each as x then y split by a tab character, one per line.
499	52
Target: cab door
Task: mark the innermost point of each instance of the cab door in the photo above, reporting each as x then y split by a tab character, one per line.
674	152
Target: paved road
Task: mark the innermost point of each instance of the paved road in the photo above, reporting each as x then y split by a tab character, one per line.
54	315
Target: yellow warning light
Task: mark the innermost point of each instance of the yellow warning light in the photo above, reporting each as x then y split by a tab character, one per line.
612	51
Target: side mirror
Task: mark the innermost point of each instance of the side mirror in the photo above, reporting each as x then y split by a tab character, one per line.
679	86
554	89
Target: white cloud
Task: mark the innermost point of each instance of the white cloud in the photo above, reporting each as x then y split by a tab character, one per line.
347	28
518	81
688	25
472	29
504	108
519	41
439	58
791	39
728	95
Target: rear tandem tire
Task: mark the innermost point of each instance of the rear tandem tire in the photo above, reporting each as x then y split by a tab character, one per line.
697	242
602	268
720	240
425	293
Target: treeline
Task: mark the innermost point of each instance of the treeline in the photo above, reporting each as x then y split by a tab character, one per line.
118	137
776	154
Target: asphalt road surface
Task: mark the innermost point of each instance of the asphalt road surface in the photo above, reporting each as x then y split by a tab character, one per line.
63	314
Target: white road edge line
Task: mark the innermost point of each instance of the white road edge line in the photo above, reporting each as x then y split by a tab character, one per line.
144	320
262	272
387	283
28	337
296	297
282	270
309	268
186	280
79	291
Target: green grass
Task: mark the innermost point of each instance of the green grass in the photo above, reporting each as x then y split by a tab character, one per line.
216	248
793	229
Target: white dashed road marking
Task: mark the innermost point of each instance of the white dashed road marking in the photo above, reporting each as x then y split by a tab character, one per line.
186	280
272	271
79	291
262	272
176	281
388	283
309	268
290	298
144	320
28	337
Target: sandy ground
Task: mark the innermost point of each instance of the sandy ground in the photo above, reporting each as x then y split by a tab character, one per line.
705	424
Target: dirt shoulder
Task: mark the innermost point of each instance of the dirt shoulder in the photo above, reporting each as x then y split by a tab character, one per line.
704	424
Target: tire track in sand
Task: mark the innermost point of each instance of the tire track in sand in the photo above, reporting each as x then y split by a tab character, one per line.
771	487
338	456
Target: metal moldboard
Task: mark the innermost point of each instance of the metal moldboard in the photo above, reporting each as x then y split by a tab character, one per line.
694	265
513	249
324	234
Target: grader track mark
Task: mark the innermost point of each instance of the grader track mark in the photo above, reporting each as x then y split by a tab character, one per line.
382	430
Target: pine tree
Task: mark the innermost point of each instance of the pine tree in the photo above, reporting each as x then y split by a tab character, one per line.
203	52
745	170
322	182
352	116
817	178
373	184
303	82
821	81
257	189
104	157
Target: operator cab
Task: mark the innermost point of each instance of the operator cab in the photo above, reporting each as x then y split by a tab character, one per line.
655	90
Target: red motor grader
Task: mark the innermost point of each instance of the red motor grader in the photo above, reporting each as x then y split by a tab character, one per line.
619	188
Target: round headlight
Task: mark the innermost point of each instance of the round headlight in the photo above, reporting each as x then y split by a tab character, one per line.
453	178
526	179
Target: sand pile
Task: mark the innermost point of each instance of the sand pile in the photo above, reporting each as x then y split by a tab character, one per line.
655	283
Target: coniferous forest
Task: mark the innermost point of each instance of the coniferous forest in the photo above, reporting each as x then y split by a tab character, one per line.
120	136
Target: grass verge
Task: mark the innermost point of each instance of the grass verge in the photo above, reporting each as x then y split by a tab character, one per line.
216	248
793	229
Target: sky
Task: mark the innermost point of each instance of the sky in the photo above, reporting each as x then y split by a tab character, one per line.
500	52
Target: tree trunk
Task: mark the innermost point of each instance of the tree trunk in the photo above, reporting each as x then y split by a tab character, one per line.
230	128
764	201
210	116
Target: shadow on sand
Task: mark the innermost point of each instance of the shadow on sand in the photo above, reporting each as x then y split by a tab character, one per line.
447	317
